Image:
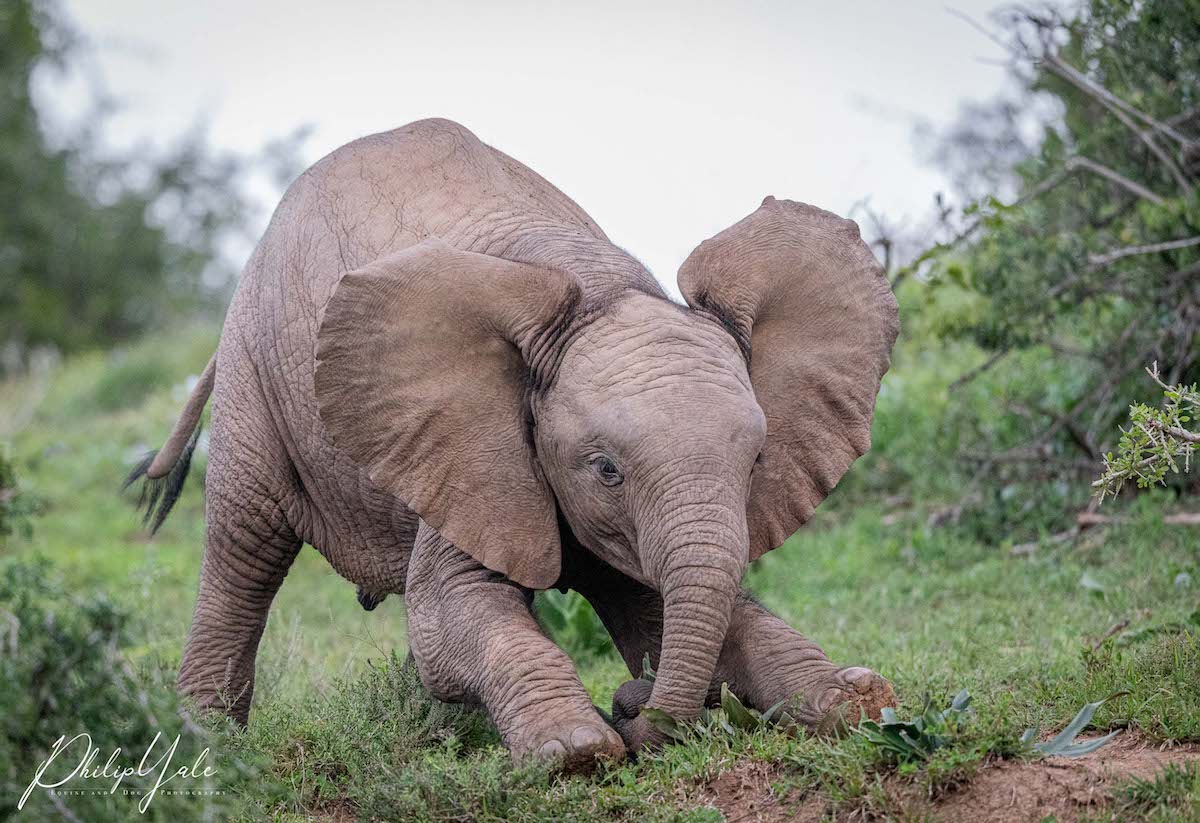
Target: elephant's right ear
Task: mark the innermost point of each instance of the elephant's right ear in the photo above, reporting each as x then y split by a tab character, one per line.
424	361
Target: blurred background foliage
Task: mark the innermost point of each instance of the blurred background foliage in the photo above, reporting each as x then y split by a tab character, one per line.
96	247
1071	258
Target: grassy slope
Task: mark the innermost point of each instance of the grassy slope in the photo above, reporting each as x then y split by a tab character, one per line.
930	608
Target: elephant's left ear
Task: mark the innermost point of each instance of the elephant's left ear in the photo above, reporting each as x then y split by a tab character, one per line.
807	303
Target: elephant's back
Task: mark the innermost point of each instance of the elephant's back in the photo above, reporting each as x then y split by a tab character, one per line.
385	192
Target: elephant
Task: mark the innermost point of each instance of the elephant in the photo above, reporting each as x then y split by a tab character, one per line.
437	370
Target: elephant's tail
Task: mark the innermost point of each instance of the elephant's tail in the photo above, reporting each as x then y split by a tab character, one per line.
164	472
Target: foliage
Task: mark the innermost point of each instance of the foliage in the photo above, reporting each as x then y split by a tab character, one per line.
1063	744
1087	271
97	248
572	623
17	506
734	715
64	672
1157	441
919	738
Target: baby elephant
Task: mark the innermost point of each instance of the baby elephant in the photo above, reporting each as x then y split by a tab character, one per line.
440	372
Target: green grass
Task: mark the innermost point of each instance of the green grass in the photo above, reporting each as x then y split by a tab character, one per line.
339	725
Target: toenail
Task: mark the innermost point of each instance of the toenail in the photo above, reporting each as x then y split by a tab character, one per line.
586	736
552	748
859	677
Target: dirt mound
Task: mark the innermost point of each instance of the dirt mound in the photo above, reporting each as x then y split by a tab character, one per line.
1004	790
744	794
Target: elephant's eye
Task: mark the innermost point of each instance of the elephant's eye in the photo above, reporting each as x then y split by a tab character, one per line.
609	474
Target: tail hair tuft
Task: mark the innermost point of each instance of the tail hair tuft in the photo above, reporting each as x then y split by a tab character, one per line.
158	495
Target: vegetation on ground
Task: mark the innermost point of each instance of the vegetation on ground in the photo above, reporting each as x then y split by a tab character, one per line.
341	726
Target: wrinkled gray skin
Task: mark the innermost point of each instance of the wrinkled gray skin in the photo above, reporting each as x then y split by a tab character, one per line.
497	399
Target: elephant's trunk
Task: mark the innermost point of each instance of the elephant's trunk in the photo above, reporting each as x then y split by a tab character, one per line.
699	570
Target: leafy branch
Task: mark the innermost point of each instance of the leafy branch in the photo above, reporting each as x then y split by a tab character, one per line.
1157	441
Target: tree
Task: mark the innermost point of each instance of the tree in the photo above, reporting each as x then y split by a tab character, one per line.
1086	267
96	249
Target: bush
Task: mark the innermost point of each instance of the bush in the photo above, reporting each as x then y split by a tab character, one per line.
1085	275
16	506
64	673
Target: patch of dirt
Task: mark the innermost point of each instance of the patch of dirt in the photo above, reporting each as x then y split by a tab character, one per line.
1002	791
743	794
1064	787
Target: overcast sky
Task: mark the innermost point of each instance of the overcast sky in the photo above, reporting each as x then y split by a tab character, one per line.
666	121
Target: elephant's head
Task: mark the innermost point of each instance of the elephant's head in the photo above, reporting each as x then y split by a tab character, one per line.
678	442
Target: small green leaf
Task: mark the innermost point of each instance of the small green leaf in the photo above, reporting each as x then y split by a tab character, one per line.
769	713
737	713
647	669
664	723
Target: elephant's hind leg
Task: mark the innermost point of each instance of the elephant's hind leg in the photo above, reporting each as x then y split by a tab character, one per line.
475	640
248	550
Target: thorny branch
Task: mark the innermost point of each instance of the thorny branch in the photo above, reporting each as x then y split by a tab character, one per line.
1157	441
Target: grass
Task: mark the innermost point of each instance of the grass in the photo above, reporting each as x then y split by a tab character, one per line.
341	727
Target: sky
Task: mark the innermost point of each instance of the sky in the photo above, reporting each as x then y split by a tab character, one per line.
666	121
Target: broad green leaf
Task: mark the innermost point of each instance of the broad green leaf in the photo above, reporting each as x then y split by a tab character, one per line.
737	713
1086	747
664	723
1067	736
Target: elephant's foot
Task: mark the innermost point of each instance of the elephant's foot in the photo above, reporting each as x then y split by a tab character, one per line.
842	700
573	746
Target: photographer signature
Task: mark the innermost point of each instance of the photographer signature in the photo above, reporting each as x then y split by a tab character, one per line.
86	768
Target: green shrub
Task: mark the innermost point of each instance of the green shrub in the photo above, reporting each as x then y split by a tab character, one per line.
130	378
16	505
63	673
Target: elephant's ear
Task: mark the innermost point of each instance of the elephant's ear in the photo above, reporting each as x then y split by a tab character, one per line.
424	359
805	300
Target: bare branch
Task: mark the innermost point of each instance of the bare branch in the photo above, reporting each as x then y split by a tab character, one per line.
1146	137
1176	431
1115	177
971	374
1175	519
1097	261
1111	101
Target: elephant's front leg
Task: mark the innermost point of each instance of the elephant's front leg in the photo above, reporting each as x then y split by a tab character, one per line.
765	662
475	640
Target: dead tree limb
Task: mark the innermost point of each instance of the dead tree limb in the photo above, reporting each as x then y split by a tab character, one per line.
1099	261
